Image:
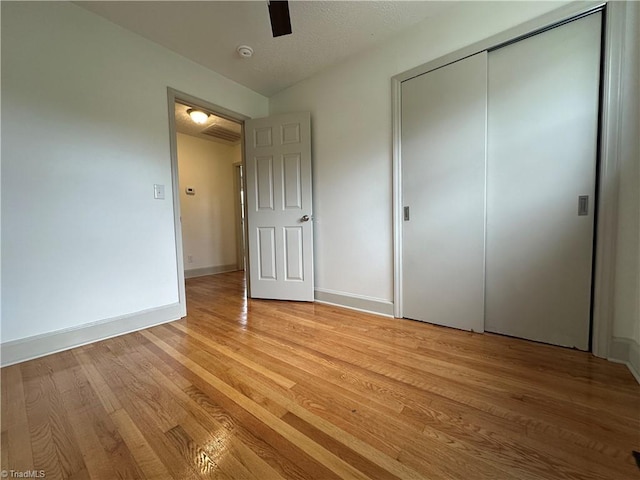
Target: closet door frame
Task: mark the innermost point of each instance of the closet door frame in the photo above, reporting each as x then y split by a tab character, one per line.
607	194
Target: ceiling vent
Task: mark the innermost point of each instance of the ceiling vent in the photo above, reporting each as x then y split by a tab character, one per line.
220	133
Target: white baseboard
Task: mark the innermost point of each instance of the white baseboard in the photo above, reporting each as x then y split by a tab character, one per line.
627	351
201	272
354	302
24	349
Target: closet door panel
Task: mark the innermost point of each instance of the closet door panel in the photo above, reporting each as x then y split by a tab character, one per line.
542	140
443	176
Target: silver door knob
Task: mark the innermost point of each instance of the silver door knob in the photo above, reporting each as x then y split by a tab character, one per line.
305	218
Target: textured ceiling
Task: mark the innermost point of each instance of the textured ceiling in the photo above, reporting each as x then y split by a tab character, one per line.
324	33
185	125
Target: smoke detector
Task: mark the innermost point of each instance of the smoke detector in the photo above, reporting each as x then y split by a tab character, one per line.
245	51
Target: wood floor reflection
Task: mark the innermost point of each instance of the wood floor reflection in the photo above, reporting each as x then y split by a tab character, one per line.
266	390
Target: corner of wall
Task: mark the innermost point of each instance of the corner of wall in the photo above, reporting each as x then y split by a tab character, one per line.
627	352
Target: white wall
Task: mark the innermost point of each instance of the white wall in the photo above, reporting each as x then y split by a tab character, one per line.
627	287
350	107
209	216
84	139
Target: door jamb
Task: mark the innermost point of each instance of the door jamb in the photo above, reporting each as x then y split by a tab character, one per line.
606	230
238	180
174	95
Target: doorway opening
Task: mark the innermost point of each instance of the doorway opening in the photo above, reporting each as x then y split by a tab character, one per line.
207	163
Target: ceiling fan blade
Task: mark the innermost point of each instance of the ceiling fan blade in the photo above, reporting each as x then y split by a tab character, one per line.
280	20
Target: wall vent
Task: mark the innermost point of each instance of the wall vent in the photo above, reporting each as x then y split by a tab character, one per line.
222	134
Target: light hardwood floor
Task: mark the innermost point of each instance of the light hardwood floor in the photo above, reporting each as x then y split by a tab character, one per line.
268	390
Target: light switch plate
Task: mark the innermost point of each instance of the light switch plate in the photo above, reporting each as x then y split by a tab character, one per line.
158	192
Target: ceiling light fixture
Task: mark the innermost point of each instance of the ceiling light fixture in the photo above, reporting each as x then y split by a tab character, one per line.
198	116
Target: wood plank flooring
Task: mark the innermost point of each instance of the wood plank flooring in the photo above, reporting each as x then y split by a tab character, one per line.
279	390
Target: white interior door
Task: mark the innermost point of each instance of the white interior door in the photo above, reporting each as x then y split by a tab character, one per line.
278	189
443	134
542	137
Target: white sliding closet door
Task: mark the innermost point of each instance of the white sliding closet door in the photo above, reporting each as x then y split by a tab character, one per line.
542	139
443	175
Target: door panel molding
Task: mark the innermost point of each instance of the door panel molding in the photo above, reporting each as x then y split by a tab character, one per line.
279	207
